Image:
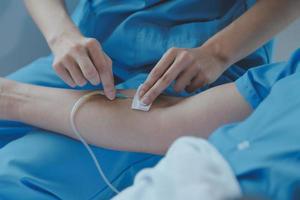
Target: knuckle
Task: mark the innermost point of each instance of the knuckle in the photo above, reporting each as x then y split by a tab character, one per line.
57	64
70	67
90	72
101	69
173	50
66	57
178	65
155	74
185	55
92	42
76	48
166	79
109	62
146	86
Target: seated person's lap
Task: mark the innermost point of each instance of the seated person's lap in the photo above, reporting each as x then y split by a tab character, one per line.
62	168
53	162
55	155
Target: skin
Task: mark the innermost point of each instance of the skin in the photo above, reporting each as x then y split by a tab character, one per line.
77	59
196	67
114	124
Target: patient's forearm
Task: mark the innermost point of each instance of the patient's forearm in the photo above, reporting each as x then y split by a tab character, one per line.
200	115
113	124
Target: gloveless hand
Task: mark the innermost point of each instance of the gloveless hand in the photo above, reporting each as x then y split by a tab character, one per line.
189	68
79	59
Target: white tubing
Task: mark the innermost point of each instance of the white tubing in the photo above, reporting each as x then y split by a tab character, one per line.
74	110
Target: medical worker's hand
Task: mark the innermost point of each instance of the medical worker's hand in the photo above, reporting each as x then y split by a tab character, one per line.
189	68
79	60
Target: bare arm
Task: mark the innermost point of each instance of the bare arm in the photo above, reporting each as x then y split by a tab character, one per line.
254	28
51	17
77	59
112	124
193	68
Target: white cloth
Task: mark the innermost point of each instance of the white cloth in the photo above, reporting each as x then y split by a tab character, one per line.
137	104
192	169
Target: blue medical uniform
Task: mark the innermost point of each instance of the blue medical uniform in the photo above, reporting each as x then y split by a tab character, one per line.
37	164
264	149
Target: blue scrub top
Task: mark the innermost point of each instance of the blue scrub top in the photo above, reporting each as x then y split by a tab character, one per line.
264	150
136	33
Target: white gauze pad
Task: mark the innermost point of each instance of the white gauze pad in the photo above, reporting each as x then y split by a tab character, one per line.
137	104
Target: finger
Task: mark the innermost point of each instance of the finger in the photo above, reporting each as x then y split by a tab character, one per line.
75	72
87	67
156	73
65	76
185	79
104	66
108	80
198	82
164	81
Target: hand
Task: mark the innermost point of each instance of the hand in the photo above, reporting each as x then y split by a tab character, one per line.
190	68
79	59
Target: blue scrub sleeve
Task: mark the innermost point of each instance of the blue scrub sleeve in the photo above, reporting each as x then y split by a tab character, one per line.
256	83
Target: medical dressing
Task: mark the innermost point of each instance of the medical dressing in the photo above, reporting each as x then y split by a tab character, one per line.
137	104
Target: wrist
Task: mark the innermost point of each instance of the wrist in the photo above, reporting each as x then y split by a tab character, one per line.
65	33
218	50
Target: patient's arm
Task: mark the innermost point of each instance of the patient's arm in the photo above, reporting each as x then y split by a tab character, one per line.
112	124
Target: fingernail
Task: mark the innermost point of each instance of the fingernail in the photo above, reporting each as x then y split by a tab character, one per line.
145	101
73	85
141	93
95	81
111	95
83	83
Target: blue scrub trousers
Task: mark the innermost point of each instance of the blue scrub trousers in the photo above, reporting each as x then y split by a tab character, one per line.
38	164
